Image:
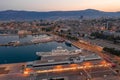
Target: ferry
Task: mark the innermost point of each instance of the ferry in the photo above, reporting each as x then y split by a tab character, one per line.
43	38
59	52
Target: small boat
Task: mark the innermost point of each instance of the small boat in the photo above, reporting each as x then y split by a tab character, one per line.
68	43
14	42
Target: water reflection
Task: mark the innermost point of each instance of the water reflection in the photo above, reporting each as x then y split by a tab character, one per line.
25	53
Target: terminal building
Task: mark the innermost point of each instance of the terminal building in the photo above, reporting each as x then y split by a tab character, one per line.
71	65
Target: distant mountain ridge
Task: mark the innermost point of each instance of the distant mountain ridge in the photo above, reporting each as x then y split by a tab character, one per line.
32	15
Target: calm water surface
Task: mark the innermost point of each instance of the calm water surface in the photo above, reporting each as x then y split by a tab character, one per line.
25	53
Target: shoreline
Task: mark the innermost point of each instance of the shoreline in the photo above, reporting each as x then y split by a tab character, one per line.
18	43
75	44
28	61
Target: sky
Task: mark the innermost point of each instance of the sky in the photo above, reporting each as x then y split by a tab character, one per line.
60	5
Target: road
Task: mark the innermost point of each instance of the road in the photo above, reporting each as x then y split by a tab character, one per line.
98	50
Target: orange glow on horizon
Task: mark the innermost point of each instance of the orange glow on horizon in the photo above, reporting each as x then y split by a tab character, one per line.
60	5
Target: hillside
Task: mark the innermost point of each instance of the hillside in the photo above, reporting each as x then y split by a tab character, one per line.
31	15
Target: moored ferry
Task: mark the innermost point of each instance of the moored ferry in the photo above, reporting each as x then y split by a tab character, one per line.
59	52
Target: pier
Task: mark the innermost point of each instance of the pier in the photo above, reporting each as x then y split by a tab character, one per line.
23	44
36	40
